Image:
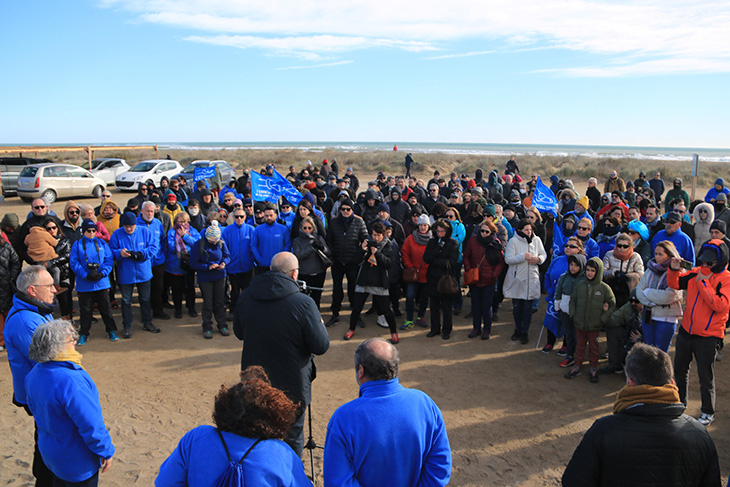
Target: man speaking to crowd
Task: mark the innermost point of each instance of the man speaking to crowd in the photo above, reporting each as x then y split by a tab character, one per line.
281	328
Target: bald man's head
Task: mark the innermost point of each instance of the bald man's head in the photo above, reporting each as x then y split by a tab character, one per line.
378	358
287	263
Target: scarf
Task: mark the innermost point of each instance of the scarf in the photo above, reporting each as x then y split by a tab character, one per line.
658	271
347	220
528	239
422	239
645	394
180	231
492	249
70	355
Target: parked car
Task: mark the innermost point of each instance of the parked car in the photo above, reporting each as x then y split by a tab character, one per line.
224	172
147	171
51	181
10	168
108	168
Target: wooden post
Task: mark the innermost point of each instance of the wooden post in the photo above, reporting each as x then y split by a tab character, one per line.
695	173
88	151
157	151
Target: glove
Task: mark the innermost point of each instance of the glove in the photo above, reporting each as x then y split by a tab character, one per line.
137	255
317	245
93	275
621	277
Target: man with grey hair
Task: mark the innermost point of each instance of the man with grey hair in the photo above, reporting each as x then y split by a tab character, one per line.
281	330
33	304
389	435
146	218
648	440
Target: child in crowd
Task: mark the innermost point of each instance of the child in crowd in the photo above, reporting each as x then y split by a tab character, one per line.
591	306
563	291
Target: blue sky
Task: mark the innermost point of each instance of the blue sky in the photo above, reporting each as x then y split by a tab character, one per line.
650	73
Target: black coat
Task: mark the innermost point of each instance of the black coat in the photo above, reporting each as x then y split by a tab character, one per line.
645	445
437	255
378	275
281	328
345	244
9	270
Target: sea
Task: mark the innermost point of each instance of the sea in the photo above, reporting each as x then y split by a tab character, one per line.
594	151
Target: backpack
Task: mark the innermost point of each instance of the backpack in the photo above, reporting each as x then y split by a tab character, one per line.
232	476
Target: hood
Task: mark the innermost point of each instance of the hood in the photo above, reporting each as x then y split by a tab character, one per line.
720	181
205	191
554	179
580	259
639	226
105	204
570	192
493	177
598	263
677	183
478	174
717	248
71	204
710	213
273	286
371	194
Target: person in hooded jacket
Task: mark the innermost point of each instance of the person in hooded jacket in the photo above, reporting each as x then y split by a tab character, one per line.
399	209
9	269
92	261
704	215
71	224
197	218
209	257
412	254
677	192
372	278
494	187
639	234
308	247
524	254
180	240
607	238
207	205
143	194
441	255
718	188
703	323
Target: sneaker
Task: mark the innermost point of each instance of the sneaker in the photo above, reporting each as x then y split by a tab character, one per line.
114	304
524	339
127	333
563	352
193	313
567	362
573	373
224	331
382	322
474	333
82	340
485	335
705	419
113	336
407	325
360	323
348	334
161	315
516	336
394	338
150	327
333	321
594	376
611	369
178	314
421	322
207	334
547	348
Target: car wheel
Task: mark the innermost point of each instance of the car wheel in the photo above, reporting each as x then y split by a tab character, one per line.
26	199
49	195
97	191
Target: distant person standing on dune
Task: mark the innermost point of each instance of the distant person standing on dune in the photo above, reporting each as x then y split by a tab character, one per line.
409	163
614	183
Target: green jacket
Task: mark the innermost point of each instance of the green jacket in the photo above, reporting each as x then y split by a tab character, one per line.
586	304
622	316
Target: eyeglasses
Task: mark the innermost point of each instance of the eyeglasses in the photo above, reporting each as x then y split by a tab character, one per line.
237	217
38	207
73	212
570	246
485	232
681	212
622	246
632	232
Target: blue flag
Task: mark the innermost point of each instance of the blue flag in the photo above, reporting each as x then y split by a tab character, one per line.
287	189
263	188
552	321
543	199
558	239
203	173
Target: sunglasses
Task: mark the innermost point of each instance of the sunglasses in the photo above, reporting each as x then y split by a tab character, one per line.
106	196
92	230
570	246
485	232
54	227
143	189
622	246
631	232
583	228
450	216
307	228
38	207
73	212
703	211
248	206
237	217
345	209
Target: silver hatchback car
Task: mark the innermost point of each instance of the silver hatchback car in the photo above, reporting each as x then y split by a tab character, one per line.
52	181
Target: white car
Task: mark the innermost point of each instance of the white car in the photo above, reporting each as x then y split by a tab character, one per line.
108	168
150	171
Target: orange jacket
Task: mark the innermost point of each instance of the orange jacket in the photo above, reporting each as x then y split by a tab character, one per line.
708	302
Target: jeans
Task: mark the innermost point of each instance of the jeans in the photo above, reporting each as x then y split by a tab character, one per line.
704	350
437	304
412	291
295	436
522	313
239	282
659	334
214	293
481	306
339	271
143	292
86	309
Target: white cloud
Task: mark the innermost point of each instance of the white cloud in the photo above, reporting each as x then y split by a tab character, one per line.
464	54
323	65
682	34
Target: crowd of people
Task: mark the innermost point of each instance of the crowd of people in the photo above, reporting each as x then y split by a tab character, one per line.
615	261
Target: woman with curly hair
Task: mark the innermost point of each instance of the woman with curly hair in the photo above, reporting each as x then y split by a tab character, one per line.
251	419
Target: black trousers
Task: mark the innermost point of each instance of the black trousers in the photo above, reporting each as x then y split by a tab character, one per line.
86	309
339	271
182	285
382	306
43	476
239	282
315	280
213	303
439	303
704	350
157	288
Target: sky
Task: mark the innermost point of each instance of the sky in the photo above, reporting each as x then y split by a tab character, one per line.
624	73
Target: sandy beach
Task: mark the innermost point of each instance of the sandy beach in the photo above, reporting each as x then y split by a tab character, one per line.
512	419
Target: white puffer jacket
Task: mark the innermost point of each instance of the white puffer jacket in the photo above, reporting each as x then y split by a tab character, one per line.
523	280
666	303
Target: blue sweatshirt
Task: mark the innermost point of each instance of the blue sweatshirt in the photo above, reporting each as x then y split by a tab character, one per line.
158	233
238	238
130	271
172	262
365	440
199	459
212	254
84	251
72	437
269	240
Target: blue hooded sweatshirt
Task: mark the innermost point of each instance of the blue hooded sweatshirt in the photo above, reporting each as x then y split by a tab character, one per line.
269	240
130	271
91	251
158	233
239	238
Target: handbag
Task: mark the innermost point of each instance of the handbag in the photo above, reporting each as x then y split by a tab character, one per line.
326	261
448	285
411	274
471	277
185	263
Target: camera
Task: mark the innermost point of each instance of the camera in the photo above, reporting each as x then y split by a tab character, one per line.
372	243
92	266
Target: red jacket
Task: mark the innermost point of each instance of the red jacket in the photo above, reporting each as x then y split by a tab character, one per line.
707	304
412	254
473	255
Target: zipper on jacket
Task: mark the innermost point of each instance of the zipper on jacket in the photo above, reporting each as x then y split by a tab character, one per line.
691	315
709	321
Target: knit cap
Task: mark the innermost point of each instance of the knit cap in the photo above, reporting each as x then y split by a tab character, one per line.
424	219
584	202
383	207
719	225
88	225
128	218
213	232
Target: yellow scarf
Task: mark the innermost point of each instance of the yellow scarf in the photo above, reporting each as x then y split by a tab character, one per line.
645	394
70	355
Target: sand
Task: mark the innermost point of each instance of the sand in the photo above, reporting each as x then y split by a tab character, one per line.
512	419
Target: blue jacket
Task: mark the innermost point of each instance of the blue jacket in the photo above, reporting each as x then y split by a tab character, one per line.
158	233
238	238
172	262
23	318
227	189
458	233
130	271
365	439
72	437
213	254
199	459
681	240
79	257
269	240
288	218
